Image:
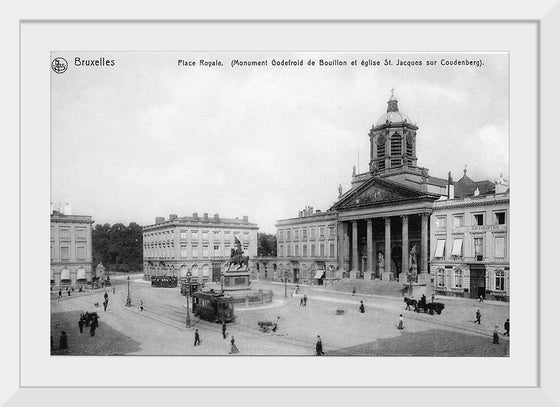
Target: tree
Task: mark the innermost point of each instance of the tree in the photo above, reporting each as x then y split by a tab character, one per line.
266	245
117	246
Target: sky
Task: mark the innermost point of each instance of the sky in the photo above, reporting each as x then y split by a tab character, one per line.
148	137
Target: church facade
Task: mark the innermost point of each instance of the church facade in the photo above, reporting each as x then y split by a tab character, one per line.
385	226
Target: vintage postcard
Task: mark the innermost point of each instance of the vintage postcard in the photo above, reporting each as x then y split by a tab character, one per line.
280	204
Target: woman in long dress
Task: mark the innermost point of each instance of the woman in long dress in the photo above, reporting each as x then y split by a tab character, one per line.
401	322
233	347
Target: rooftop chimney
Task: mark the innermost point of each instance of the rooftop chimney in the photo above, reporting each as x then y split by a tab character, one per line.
195	216
205	217
216	217
172	217
246	219
160	219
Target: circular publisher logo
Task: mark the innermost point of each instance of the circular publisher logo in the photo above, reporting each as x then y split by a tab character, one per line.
59	65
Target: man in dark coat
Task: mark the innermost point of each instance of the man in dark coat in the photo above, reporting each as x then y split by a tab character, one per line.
81	325
63	341
105	304
319	347
196	337
362	308
304	300
93	326
477	320
224	329
59	293
506	327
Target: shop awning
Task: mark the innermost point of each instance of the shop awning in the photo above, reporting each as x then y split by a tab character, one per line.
81	275
65	275
457	246
319	273
440	248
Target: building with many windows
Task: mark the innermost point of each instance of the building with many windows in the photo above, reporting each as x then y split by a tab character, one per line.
469	241
198	245
307	247
71	249
397	222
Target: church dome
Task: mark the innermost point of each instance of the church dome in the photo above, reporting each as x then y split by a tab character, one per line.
393	115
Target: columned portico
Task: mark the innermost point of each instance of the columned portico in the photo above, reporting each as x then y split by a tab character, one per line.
424	248
405	264
387	273
369	238
355	258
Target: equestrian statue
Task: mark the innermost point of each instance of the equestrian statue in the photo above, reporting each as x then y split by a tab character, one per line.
237	257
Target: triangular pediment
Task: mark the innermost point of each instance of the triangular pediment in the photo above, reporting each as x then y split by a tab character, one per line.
379	191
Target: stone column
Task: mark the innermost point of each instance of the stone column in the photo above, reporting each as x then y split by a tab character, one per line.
388	272
369	267
422	277
374	269
404	271
355	268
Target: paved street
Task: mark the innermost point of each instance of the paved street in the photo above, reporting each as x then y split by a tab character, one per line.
160	328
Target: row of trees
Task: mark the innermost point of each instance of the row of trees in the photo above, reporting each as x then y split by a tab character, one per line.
120	248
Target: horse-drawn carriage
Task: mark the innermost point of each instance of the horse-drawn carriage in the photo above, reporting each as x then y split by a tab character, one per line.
424	306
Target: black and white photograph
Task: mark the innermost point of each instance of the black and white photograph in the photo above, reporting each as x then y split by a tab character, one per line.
280	204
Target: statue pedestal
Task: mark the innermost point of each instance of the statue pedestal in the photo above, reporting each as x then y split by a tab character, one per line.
354	274
386	276
236	280
367	275
403	278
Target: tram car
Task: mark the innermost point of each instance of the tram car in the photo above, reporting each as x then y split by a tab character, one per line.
189	287
164	281
212	306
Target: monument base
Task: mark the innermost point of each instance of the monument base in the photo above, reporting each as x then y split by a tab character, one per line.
367	275
354	274
424	278
236	280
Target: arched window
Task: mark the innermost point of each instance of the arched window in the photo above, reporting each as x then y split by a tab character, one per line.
458	277
440	276
409	150
396	145
194	270
381	147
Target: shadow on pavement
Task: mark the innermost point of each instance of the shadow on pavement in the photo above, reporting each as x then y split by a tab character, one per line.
434	342
106	341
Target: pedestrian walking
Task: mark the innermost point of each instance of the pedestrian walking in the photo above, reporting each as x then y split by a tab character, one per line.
319	347
433	298
478	315
301	302
496	339
362	308
480	298
401	322
93	327
106	296
81	325
68	291
224	329
63	343
196	337
113	289
105	304
233	349
141	305
304	300
59	293
506	327
354	291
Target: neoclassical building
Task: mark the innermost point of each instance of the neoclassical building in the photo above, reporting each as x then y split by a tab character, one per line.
71	250
198	245
384	226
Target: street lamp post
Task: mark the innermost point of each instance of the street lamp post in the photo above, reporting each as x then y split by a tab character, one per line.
188	294
222	281
128	302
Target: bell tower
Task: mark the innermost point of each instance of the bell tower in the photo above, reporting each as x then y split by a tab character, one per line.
392	141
